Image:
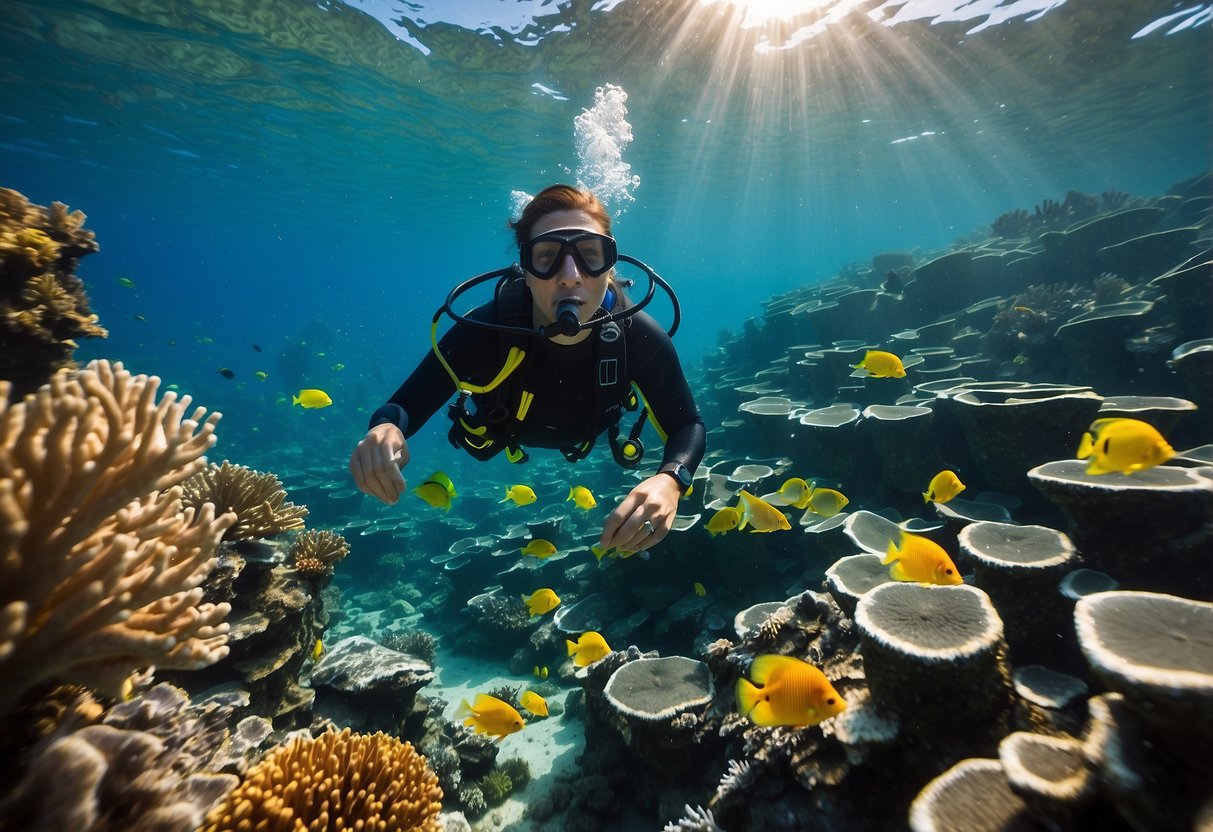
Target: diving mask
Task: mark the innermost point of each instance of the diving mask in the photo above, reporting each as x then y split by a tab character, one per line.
543	256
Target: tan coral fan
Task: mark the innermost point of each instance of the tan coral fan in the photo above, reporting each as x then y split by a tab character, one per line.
315	552
335	781
257	499
100	565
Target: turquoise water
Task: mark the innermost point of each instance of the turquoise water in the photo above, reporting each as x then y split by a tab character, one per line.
292	188
277	173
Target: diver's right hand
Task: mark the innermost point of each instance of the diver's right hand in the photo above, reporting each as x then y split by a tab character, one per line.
377	462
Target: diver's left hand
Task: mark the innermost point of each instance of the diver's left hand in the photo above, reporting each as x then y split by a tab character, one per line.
655	500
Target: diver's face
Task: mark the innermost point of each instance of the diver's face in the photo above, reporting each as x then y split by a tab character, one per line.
569	282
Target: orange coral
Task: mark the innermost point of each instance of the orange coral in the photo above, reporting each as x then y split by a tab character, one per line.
335	781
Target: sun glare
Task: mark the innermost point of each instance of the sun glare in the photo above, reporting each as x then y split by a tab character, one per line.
757	12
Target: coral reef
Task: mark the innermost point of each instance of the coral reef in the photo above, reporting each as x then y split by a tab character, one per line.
148	766
341	779
417	643
257	499
315	552
100	564
43	308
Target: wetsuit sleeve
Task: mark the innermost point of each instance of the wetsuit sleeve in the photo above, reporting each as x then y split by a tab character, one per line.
429	387
654	367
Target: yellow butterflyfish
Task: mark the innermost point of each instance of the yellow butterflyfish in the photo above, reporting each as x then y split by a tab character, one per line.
880	364
541	601
533	703
539	548
944	486
434	494
921	559
1123	446
491	716
519	495
760	515
317	650
581	497
724	521
795	492
699	589
826	501
783	690
311	398
588	649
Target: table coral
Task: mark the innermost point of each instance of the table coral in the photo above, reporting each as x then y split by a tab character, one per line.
100	566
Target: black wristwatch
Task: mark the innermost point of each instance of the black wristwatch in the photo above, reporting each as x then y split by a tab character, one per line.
679	472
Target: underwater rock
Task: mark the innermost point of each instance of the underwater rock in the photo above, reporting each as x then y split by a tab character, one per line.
1074	252
1137	773
1018	566
658	690
378	683
972	795
850	578
1166	511
1149	255
943	284
768	422
1049	702
1189	294
1012	429
1163	412
1094	342
922	643
907	446
828	444
1157	651
1193	363
1051	776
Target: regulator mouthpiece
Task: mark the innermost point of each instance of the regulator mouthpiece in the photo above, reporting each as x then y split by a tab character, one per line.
568	321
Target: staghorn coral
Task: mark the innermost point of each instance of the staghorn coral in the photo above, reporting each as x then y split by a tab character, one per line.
43	308
315	552
257	499
337	780
100	566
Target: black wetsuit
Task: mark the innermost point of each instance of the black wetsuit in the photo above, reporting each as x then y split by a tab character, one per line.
562	379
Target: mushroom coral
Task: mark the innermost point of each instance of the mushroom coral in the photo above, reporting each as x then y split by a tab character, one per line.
100	566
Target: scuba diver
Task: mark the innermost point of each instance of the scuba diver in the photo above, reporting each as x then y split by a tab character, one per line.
553	361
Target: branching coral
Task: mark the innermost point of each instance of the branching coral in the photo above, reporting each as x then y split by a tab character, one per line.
315	552
339	781
42	303
257	499
100	566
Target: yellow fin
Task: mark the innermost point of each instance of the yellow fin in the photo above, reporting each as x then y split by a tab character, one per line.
1085	446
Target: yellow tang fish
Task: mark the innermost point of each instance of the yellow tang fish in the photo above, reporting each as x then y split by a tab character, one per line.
533	703
783	690
311	399
519	495
434	494
921	559
699	589
490	715
541	601
261	375
442	479
880	364
724	521
944	486
541	672
1123	446
581	497
317	650
760	515
796	492
338	367
588	649
539	548
827	502
127	282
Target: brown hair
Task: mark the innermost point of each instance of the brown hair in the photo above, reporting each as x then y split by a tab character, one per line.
558	198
